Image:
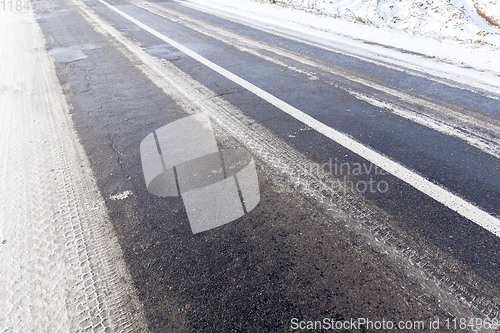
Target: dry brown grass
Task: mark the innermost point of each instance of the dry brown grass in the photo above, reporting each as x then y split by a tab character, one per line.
492	20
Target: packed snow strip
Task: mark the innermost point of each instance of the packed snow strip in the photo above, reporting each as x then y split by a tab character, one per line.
60	263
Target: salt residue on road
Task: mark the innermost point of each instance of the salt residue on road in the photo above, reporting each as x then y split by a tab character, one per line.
60	263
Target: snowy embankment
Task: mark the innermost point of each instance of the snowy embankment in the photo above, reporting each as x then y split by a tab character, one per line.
477	21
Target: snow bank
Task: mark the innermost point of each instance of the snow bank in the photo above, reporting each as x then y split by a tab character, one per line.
472	20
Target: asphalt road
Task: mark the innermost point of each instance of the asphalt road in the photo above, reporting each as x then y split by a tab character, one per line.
334	234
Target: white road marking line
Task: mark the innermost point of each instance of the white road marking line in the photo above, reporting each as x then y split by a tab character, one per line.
436	192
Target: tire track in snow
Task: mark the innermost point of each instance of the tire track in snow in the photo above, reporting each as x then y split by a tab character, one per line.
60	263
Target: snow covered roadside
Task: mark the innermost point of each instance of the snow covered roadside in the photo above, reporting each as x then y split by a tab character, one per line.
473	62
458	19
60	263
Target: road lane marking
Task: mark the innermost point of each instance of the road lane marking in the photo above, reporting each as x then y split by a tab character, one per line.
436	192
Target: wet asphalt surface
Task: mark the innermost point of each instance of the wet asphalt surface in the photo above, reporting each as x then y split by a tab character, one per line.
287	258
